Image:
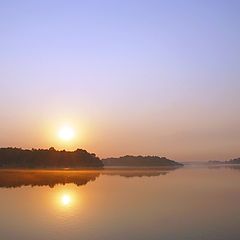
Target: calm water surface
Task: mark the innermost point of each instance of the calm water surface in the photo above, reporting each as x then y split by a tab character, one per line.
193	202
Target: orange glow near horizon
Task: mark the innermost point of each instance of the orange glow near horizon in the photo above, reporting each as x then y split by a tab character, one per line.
66	133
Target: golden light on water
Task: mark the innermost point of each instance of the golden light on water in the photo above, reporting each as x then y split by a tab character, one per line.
66	199
66	133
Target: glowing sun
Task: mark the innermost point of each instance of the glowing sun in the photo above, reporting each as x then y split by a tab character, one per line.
66	199
66	133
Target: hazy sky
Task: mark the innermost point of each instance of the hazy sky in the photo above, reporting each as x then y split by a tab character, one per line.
131	77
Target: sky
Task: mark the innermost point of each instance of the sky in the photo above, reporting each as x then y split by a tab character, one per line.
130	77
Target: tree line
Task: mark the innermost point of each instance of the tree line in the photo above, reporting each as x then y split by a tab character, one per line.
47	158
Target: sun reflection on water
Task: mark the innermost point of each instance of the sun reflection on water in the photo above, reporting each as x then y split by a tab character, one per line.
66	199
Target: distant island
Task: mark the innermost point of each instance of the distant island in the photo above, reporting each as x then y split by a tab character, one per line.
232	161
14	158
140	161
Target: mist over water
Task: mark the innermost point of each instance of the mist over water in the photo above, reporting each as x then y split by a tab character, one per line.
185	203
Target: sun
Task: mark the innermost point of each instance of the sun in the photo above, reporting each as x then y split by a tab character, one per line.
66	199
66	133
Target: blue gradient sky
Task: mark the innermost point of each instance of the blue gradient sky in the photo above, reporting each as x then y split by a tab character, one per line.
132	77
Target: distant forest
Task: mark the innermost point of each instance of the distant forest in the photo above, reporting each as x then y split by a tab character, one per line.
47	158
232	161
140	161
17	158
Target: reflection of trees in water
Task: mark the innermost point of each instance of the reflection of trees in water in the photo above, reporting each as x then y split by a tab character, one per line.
234	166
139	172
226	166
19	178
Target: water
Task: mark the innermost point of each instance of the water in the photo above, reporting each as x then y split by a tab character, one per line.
193	202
